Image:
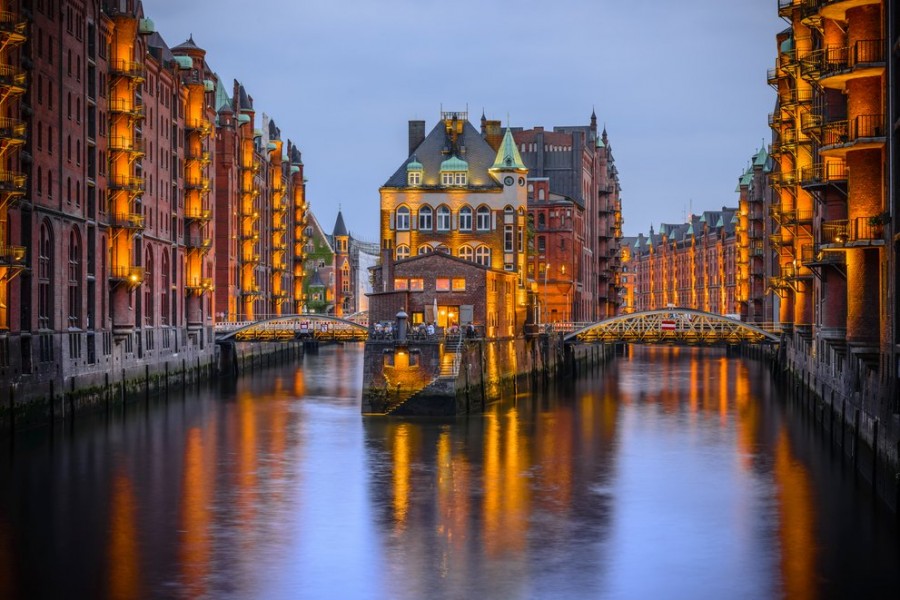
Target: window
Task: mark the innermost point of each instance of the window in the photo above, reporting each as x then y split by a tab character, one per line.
401	283
425	214
466	253
416	284
542	244
425	249
483	256
74	279
442	284
508	238
483	218
414	177
45	276
403	218
402	251
465	219
164	289
446	178
542	220
460	178
458	284
443	218
443	249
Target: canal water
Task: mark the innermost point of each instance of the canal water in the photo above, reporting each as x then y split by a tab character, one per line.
672	473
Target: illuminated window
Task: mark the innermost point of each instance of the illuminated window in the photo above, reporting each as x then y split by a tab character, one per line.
458	284
414	177
466	253
425	214
401	284
403	218
442	284
483	256
443	218
460	178
483	218
508	238
402	251
465	218
416	284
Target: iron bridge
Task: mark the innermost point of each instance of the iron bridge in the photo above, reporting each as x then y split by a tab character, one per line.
293	327
673	326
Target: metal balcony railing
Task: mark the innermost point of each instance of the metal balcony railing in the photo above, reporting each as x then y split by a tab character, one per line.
124	144
126	106
12	256
199	286
796	217
783	178
198	125
197	242
198	214
12	78
12	181
837	133
832	172
133	276
202	157
127	221
849	231
197	183
127	68
126	182
13	129
13	26
815	256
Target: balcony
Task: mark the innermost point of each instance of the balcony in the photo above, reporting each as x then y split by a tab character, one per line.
198	214
837	9
201	126
836	65
778	240
126	183
127	107
13	182
793	98
817	176
250	257
197	183
12	256
811	123
786	8
783	179
775	120
198	242
130	276
12	79
252	291
13	131
127	221
199	286
201	157
791	218
860	133
757	249
127	68
13	27
133	146
816	256
853	233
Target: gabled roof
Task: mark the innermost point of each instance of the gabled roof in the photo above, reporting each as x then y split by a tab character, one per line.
435	149
315	280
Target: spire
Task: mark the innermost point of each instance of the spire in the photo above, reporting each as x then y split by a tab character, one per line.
508	157
340	229
593	119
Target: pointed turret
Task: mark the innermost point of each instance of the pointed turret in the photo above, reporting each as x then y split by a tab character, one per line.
508	157
340	230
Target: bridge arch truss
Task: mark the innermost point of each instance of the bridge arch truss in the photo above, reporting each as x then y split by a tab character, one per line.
674	326
293	327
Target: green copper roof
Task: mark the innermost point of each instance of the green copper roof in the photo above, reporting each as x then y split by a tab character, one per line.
415	165
184	62
720	222
761	158
508	156
787	45
690	230
222	98
734	219
600	143
454	163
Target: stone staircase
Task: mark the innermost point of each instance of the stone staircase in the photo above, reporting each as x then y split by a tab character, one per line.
449	369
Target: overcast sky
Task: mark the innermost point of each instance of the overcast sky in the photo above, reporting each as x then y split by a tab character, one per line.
680	85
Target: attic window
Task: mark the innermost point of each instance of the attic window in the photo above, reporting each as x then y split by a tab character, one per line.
414	177
454	178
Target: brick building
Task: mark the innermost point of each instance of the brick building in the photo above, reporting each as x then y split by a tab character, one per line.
688	265
579	219
112	203
455	193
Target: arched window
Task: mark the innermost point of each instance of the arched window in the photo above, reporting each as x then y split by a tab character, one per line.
74	278
425	214
483	256
466	253
465	218
345	278
45	276
541	195
442	248
148	288
164	288
402	251
425	249
542	220
483	218
403	218
443	218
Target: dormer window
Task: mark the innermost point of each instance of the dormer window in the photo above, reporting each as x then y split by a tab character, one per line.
454	172
414	170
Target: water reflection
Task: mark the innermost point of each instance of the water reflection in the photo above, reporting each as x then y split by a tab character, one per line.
674	473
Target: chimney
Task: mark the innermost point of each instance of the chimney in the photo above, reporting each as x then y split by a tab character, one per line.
416	134
494	134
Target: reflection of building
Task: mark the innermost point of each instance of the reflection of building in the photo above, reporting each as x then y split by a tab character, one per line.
578	219
690	265
457	194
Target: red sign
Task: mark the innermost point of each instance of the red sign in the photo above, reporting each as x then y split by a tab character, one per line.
667	326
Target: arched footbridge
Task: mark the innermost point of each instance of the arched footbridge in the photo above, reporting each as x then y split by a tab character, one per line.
293	327
673	326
